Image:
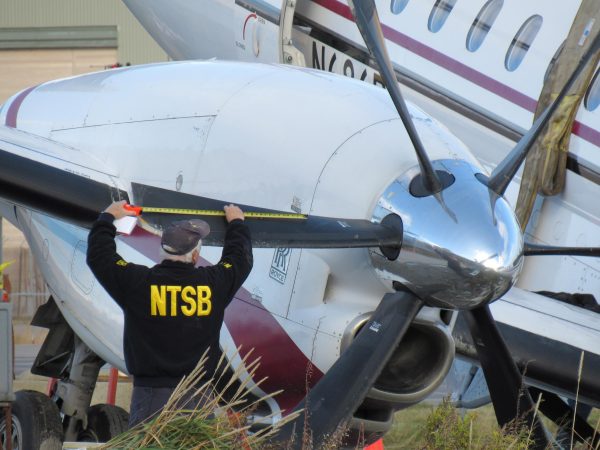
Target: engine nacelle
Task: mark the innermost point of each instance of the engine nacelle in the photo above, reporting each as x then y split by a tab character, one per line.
417	366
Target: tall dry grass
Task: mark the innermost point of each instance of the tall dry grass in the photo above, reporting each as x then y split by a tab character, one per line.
220	422
213	423
427	427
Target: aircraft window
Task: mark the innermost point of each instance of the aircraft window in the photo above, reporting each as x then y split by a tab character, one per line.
440	12
592	97
483	23
397	6
521	42
553	62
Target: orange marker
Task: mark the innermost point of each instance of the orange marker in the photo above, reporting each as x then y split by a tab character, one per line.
136	209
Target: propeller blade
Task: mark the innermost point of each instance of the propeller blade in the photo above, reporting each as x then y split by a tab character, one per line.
553	407
53	191
341	391
78	199
367	19
312	232
510	398
543	250
506	170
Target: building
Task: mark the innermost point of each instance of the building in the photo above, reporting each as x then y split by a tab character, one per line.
45	40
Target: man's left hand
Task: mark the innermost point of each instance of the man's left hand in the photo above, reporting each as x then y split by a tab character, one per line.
233	212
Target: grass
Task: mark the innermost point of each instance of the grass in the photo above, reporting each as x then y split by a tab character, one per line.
422	427
209	426
442	427
214	426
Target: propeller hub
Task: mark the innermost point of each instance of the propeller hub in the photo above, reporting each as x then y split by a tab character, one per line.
462	247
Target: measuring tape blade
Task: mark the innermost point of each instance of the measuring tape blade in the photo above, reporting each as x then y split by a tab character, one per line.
215	212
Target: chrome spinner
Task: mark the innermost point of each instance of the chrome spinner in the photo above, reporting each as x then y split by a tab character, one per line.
462	247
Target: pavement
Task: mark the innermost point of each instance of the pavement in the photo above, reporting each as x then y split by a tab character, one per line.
25	356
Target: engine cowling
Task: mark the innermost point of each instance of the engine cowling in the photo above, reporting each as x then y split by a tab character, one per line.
416	368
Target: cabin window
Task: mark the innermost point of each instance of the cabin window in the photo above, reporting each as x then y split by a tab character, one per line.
521	42
483	23
397	6
592	97
440	12
550	67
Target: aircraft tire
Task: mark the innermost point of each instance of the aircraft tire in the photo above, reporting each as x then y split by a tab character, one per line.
104	423
36	423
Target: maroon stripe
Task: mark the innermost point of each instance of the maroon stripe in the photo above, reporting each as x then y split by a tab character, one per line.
144	242
256	331
13	109
253	15
282	363
440	59
587	133
458	68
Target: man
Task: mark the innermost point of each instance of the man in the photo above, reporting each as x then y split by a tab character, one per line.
174	310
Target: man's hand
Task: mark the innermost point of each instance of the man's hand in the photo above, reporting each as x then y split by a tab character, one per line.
117	209
233	212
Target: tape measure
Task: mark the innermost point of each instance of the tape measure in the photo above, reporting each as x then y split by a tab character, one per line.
212	212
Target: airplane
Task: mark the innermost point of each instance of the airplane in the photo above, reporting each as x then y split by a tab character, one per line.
479	67
353	302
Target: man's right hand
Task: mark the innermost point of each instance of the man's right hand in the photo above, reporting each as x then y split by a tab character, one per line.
117	209
233	212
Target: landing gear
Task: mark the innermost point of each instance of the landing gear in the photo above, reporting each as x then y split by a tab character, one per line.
104	423
36	423
66	357
74	392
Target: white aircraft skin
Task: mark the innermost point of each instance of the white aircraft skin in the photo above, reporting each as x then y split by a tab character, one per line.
248	30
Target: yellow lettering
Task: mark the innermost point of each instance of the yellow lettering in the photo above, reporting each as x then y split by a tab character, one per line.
186	294
158	301
174	290
194	300
204	303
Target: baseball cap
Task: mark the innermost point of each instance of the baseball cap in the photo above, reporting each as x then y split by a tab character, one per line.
182	236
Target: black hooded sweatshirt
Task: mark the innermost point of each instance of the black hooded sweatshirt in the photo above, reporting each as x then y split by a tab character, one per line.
173	311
